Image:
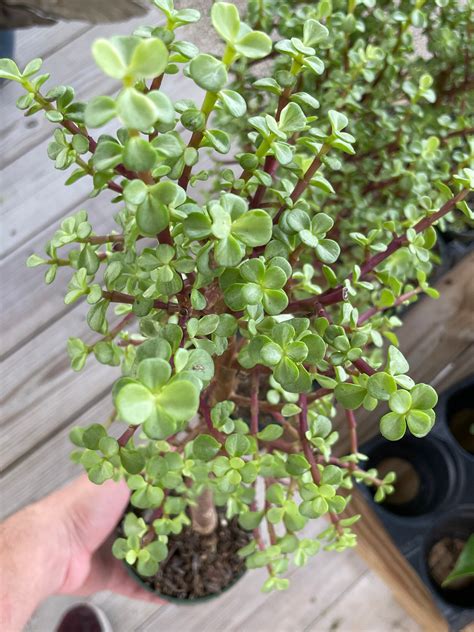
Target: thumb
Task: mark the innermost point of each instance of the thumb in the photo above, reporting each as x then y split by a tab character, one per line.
93	511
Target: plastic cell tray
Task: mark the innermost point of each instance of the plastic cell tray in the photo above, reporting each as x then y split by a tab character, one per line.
443	503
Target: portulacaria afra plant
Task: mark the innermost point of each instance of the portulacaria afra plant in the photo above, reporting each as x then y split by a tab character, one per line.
238	324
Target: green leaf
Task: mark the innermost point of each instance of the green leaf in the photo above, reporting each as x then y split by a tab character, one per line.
134	403
205	447
424	397
419	423
9	70
313	32
107	155
233	102
78	352
288	410
208	72
254	228
180	399
350	396
136	110
270	433
464	566
149	59
254	45
101	472
139	154
292	118
275	301
271	354
120	548
393	426
99	111
328	250
297	464
218	139
276	494
34	260
152	216
225	19
250	519
109	59
132	460
338	120
154	373
381	386
400	402
92	436
396	362
237	444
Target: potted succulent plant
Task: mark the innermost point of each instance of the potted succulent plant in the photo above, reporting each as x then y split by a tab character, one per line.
237	323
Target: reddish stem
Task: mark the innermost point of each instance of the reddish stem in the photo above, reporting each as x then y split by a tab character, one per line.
205	410
352	424
303	429
302	184
254	402
120	297
126	436
363	367
376	310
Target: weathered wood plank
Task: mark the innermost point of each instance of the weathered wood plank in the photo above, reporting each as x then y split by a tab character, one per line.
314	587
376	547
123	614
44	41
34	196
41	393
48	466
367	606
40	304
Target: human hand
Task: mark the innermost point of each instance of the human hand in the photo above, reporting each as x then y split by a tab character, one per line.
89	514
62	544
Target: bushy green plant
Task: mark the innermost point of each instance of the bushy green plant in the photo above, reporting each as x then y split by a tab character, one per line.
402	74
241	322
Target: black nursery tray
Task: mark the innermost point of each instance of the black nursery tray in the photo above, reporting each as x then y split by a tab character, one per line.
443	498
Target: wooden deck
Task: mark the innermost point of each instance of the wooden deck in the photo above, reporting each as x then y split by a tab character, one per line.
43	398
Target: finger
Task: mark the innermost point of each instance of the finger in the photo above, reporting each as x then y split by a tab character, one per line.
107	573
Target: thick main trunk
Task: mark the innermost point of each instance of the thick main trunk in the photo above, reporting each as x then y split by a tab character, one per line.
204	514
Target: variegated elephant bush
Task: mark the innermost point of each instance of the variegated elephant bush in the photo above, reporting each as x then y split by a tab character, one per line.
241	309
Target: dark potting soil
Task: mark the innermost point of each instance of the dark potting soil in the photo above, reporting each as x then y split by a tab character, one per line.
461	425
201	565
441	560
407	484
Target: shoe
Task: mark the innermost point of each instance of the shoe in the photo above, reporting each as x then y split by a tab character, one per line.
84	617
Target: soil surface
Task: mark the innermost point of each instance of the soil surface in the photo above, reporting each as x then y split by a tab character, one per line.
407	484
461	425
442	558
201	565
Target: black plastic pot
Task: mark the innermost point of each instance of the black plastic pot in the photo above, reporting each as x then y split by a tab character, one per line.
440	469
132	572
460	525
